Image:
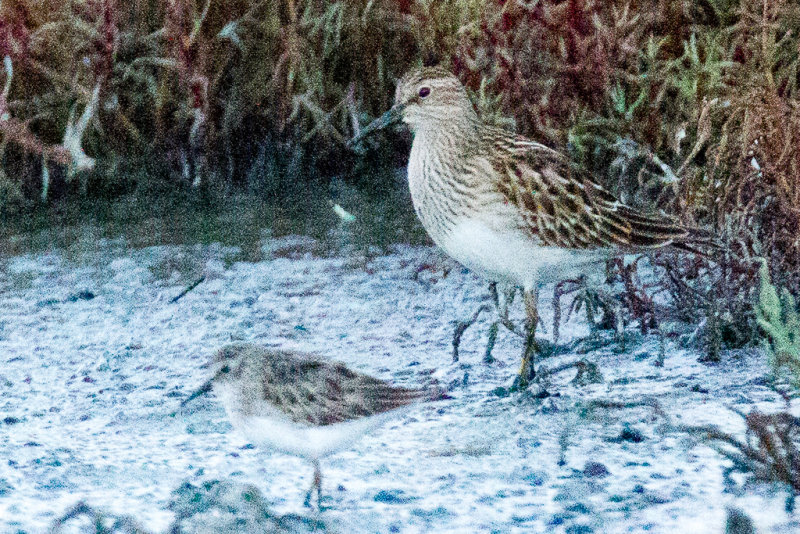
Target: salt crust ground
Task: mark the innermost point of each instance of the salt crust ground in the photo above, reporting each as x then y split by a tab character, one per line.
88	385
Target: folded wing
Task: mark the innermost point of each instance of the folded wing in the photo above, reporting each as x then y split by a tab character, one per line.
327	392
561	207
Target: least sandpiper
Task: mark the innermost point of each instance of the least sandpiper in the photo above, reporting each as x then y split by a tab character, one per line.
509	208
302	404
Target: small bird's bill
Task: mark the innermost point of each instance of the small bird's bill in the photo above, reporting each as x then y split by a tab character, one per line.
394	115
205	388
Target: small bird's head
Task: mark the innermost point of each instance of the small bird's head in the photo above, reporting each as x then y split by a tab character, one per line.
227	367
426	96
229	362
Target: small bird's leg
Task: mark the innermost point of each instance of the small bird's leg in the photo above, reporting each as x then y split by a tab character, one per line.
317	483
527	370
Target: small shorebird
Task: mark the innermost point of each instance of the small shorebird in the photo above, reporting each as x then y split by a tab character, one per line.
302	404
507	207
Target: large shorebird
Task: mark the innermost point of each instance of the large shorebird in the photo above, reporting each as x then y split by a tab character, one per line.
509	208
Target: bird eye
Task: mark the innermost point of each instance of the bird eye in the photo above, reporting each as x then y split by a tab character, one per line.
424	91
225	369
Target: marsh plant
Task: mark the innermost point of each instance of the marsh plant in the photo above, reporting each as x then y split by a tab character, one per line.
778	318
690	107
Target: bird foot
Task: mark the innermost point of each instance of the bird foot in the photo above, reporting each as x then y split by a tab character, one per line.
521	386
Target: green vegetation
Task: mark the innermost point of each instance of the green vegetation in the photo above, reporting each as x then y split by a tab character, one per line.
777	316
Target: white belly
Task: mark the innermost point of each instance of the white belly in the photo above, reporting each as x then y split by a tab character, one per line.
512	257
272	429
488	240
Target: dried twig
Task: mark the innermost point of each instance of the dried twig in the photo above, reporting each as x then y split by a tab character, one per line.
769	452
189	288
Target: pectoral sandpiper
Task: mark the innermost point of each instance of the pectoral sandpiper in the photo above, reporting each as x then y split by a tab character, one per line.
302	404
507	207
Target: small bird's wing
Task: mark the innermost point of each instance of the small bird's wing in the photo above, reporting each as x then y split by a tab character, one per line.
325	392
561	207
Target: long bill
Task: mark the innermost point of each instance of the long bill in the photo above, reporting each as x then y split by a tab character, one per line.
202	390
393	116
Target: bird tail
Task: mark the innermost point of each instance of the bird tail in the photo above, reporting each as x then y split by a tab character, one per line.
698	241
437	394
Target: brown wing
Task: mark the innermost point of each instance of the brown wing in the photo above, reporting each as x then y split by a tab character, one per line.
323	392
561	207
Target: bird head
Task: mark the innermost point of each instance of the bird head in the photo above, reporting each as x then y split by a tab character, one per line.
426	96
227	365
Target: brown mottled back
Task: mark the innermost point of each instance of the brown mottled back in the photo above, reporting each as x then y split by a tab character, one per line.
458	164
562	207
310	389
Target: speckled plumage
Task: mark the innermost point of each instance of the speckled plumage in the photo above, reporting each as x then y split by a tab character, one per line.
306	388
517	200
300	403
509	208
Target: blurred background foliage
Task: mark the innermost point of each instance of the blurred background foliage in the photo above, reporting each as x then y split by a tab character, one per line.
685	106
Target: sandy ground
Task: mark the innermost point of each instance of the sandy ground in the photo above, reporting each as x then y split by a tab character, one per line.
95	358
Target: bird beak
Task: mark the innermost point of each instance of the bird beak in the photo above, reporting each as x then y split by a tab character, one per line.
393	116
202	390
